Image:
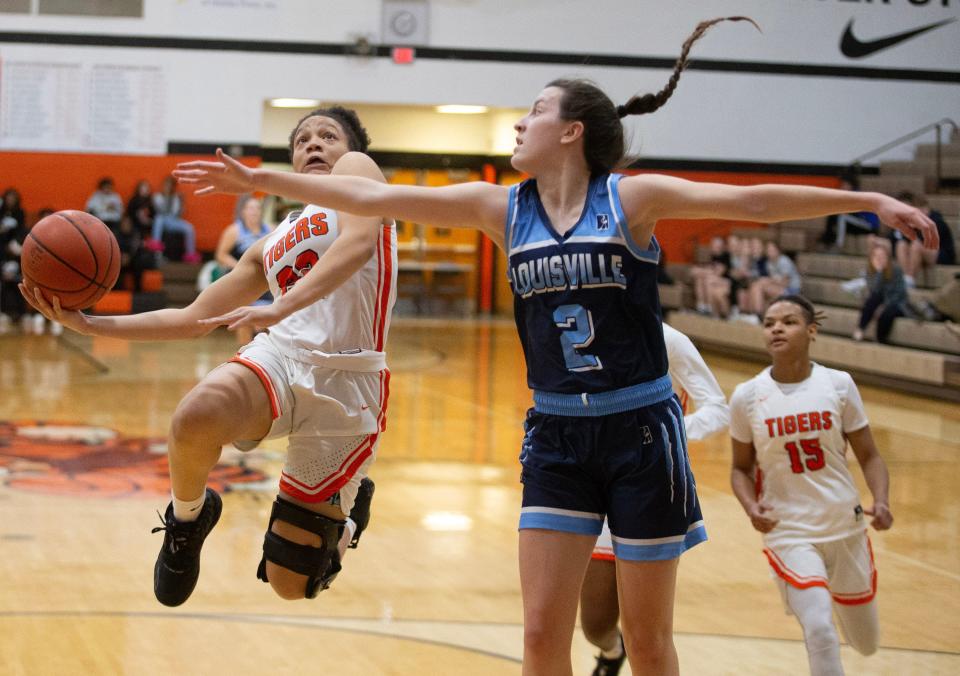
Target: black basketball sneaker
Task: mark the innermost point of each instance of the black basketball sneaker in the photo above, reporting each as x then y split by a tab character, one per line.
610	667
178	564
361	508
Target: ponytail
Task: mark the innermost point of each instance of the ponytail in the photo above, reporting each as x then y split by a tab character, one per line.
603	143
648	103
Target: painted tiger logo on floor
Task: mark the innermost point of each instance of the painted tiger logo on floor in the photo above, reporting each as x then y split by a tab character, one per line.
72	459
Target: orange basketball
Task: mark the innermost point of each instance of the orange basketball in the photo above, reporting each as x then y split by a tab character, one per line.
71	255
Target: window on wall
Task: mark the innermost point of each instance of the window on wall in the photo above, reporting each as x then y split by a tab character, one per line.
15	6
132	8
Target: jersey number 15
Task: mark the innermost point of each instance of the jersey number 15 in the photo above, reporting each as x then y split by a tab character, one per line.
814	459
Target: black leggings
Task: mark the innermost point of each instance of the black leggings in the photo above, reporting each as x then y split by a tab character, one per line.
12	303
884	319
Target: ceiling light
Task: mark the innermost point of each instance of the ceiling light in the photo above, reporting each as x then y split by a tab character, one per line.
461	110
294	103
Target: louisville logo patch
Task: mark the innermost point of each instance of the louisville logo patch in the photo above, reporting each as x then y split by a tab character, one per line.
66	459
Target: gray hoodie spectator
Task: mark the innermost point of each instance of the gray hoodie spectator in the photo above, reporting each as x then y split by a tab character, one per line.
106	204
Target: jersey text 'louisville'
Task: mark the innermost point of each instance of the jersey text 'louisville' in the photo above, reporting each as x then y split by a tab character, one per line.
585	303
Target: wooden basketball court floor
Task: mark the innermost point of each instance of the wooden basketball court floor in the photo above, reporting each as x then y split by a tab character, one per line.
433	588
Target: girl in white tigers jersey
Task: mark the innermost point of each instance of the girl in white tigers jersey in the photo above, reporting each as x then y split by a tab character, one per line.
599	605
790	426
318	375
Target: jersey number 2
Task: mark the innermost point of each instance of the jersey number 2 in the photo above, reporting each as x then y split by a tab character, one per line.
577	324
811	449
291	274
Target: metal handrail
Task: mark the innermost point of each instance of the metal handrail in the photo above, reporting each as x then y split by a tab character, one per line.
857	162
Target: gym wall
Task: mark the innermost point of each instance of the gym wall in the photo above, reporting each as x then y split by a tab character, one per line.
787	95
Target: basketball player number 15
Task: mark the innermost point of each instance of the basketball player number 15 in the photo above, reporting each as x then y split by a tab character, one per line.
811	449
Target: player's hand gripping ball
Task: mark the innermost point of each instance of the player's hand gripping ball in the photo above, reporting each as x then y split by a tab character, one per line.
71	255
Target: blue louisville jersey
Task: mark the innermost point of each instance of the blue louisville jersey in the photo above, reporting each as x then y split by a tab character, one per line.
586	303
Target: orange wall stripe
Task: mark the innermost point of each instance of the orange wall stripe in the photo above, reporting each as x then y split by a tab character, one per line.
66	181
486	255
678	238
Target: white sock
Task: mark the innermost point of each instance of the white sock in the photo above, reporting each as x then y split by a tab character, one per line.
348	532
187	510
615	652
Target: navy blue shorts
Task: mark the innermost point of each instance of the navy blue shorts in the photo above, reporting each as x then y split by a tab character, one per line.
632	467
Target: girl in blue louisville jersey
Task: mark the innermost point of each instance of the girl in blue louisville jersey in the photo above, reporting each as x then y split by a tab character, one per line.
605	435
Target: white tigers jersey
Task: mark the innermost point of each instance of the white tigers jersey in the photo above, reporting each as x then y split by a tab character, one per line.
356	315
798	431
694	383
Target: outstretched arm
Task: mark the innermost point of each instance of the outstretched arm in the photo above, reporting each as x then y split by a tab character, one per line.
477	205
875	472
242	286
651	197
355	244
711	412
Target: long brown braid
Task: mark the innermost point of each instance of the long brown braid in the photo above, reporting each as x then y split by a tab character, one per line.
603	140
647	103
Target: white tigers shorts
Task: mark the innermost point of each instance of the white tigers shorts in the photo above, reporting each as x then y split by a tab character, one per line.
845	567
332	408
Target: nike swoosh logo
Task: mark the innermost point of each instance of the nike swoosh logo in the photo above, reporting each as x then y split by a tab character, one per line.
857	49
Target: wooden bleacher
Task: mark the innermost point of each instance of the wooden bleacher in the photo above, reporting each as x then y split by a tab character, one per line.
926	372
921	356
180	283
173	285
934	336
843	266
825	291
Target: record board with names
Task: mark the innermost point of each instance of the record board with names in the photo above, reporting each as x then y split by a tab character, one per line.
82	107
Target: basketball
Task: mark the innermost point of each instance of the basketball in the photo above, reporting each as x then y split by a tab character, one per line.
71	255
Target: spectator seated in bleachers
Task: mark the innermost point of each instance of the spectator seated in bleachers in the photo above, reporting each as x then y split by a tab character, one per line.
105	203
663	275
887	293
10	210
911	256
241	234
237	238
838	225
168	207
13	232
943	306
862	223
134	257
140	209
749	266
738	275
782	278
712	280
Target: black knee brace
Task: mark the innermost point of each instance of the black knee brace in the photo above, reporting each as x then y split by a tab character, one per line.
321	564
